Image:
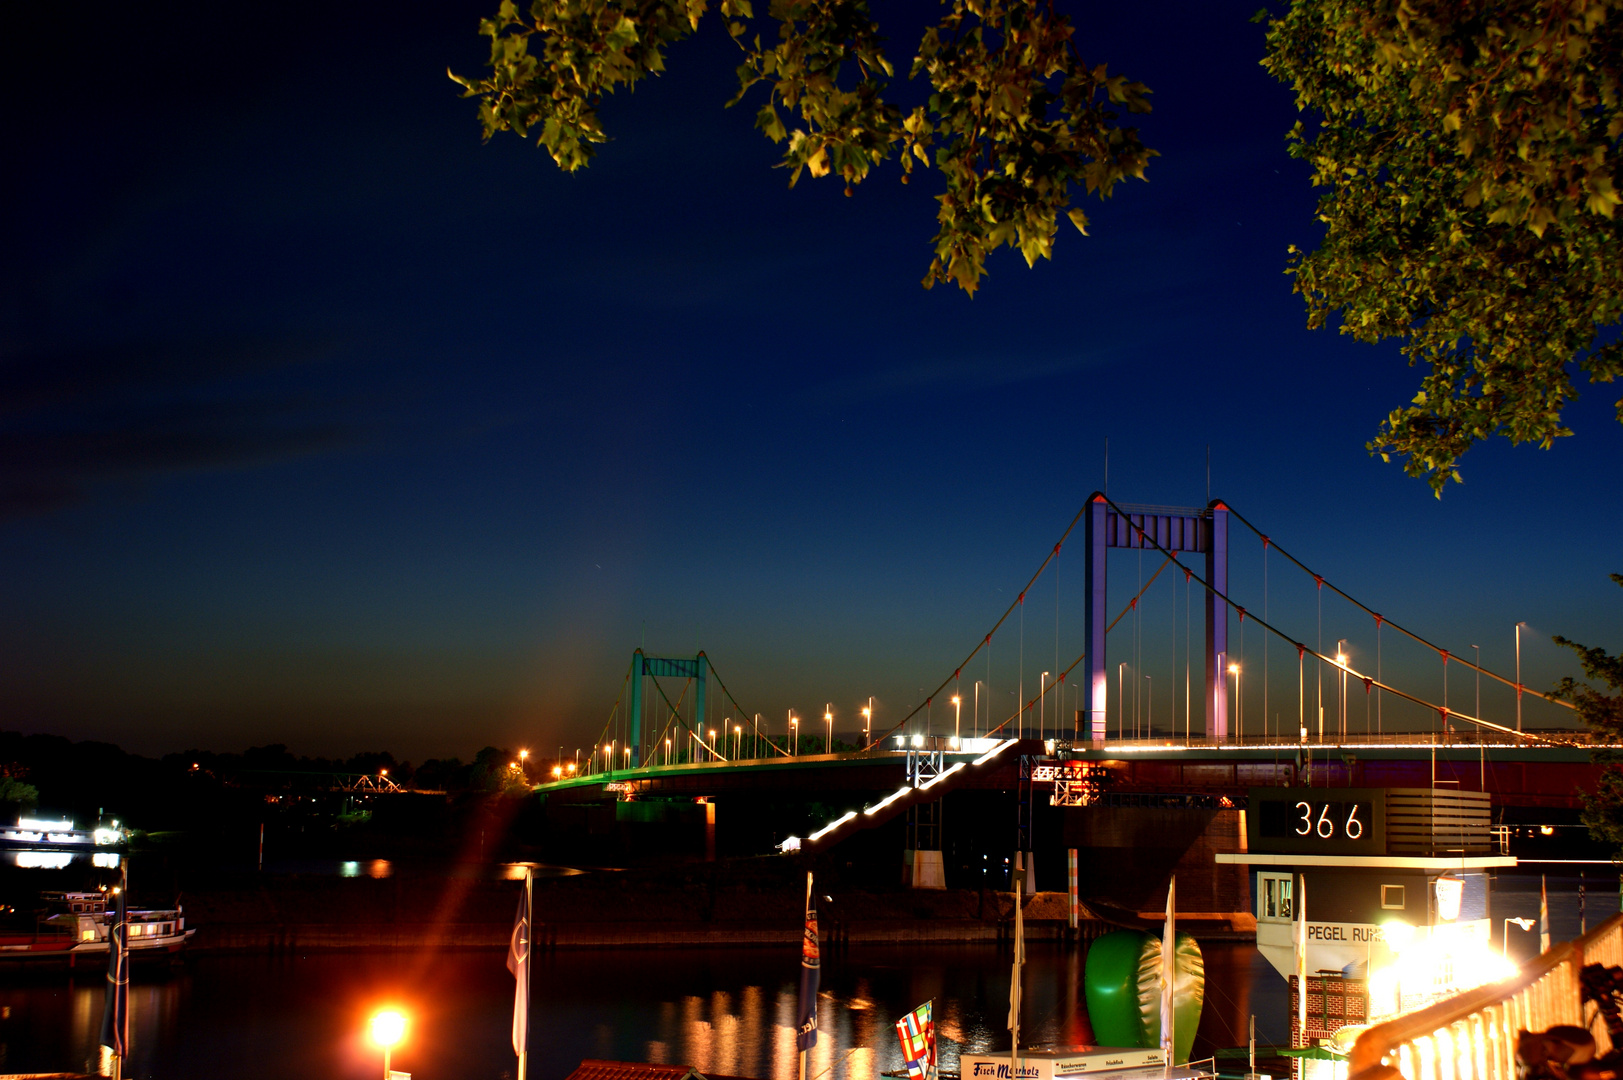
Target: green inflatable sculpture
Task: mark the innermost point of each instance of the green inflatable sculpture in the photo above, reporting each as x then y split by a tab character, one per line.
1123	986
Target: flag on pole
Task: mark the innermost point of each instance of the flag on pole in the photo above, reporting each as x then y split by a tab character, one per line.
917	1031
1543	917
1019	961
115	1010
810	975
1301	960
518	962
1169	949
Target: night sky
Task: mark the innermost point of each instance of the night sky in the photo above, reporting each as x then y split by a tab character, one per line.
325	424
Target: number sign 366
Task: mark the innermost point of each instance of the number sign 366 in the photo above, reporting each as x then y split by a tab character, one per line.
1307	823
1329	820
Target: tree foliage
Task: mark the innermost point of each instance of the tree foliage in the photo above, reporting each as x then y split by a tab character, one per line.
1016	123
1603	810
1468	149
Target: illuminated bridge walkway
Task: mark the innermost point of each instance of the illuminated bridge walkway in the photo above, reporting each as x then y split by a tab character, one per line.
1120	773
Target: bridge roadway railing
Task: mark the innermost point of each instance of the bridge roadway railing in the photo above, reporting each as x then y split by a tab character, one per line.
1473	1036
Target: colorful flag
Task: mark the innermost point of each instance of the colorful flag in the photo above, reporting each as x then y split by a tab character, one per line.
1301	959
518	962
917	1031
1019	961
115	1010
1543	917
1169	949
810	975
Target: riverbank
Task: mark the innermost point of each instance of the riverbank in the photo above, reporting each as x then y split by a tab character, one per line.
714	906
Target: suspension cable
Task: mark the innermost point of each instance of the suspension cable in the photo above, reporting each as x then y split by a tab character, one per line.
1369	682
1381	619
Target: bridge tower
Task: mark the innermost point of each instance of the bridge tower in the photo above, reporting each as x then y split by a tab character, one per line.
1176	530
677	667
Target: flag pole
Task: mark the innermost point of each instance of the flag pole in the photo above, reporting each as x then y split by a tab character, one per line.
1019	959
529	923
803	1050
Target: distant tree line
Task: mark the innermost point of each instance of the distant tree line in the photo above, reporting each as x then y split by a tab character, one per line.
85	780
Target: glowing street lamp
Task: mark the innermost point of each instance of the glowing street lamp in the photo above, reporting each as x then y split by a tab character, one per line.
738	740
1234	669
957	714
1042	707
667	751
828	722
557	771
794	734
388	1029
867	723
1341	659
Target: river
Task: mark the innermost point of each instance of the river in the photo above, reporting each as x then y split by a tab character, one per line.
726	1011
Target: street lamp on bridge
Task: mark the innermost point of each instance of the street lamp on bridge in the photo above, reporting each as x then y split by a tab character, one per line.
1341	659
1234	669
794	734
738	741
1519	675
957	712
867	723
828	720
1042	707
1121	732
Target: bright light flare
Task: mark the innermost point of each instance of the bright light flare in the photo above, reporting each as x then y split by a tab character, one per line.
388	1028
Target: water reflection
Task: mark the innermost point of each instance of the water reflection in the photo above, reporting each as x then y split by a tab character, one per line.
372	868
730	1012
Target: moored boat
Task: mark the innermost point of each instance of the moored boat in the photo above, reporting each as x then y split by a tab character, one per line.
73	927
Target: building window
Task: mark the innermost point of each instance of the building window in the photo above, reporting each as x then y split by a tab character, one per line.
1392	897
1274	896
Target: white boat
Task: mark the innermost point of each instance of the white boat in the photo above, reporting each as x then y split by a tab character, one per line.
76	925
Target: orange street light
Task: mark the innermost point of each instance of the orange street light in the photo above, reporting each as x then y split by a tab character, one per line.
388	1030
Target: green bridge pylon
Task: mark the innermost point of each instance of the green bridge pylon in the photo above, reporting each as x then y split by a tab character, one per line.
679	667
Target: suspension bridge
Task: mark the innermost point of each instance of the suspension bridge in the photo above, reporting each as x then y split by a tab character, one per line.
1084	735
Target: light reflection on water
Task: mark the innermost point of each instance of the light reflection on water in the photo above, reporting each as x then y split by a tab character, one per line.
729	1012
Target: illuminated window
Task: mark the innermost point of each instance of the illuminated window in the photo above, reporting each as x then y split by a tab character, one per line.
87	935
1392	897
1274	896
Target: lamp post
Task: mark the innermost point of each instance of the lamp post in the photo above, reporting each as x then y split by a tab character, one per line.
524	757
667	749
867	724
738	740
1042	706
1341	659
388	1029
1504	940
1120	730
794	734
608	757
1234	669
1478	649
828	723
957	717
1519	675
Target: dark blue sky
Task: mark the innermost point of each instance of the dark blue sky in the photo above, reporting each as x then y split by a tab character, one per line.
324	423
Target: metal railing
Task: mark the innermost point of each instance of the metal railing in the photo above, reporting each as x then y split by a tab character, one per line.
1473	1036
